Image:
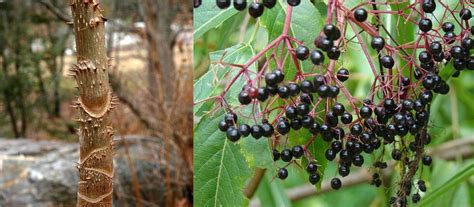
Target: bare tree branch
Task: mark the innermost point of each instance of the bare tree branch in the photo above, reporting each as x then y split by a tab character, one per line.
61	16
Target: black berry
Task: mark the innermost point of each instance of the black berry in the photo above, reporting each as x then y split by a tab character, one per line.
256	9
336	183
282	173
360	14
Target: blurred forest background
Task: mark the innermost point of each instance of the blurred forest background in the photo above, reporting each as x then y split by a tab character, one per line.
449	179
150	46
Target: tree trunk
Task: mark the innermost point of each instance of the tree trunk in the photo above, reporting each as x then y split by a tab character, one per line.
94	104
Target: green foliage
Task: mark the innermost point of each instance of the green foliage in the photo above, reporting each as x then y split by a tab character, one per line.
217	36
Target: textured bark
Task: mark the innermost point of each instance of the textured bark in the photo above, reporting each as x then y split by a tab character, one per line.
94	104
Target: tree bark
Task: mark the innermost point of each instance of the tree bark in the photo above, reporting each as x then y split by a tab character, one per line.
94	104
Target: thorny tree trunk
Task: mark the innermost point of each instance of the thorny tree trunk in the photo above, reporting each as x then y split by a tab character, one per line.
94	104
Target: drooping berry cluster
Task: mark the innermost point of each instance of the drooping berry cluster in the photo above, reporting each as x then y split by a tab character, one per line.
394	116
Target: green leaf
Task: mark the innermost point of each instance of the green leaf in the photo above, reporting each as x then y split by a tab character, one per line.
209	84
209	16
306	23
272	193
220	168
461	176
224	166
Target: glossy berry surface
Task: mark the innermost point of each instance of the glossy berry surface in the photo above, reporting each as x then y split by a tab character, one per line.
360	14
256	9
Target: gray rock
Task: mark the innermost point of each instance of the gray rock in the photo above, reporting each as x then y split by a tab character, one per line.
43	173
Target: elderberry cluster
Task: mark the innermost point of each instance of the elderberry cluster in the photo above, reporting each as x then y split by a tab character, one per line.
255	8
398	120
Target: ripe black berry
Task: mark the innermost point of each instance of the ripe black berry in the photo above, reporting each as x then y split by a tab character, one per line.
323	91
244	130
333	91
222	4
356	129
312	167
223	126
424	57
324	43
294	89
317	57
336	146
358	160
421	185
415	198
387	61
296	123
283	127
336	183
302	109
290	112
342	74
298	151
396	154
282	173
267	129
344	170
244	98
428	6
360	14
377	43
314	178
338	109
286	155
269	3
427	160
276	155
425	25
332	32
426	96
467	43
233	134
307	121
271	79
280	76
230	118
302	52
465	14
306	98
284	91
240	4
262	93
330	154
333	53
256	9
456	51
293	2
346	118
365	112
307	86
436	47
256	131
448	27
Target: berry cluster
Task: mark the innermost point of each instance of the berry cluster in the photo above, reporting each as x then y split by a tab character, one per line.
395	115
255	8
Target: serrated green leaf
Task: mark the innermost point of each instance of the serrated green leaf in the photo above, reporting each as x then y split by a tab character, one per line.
209	16
219	166
208	84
